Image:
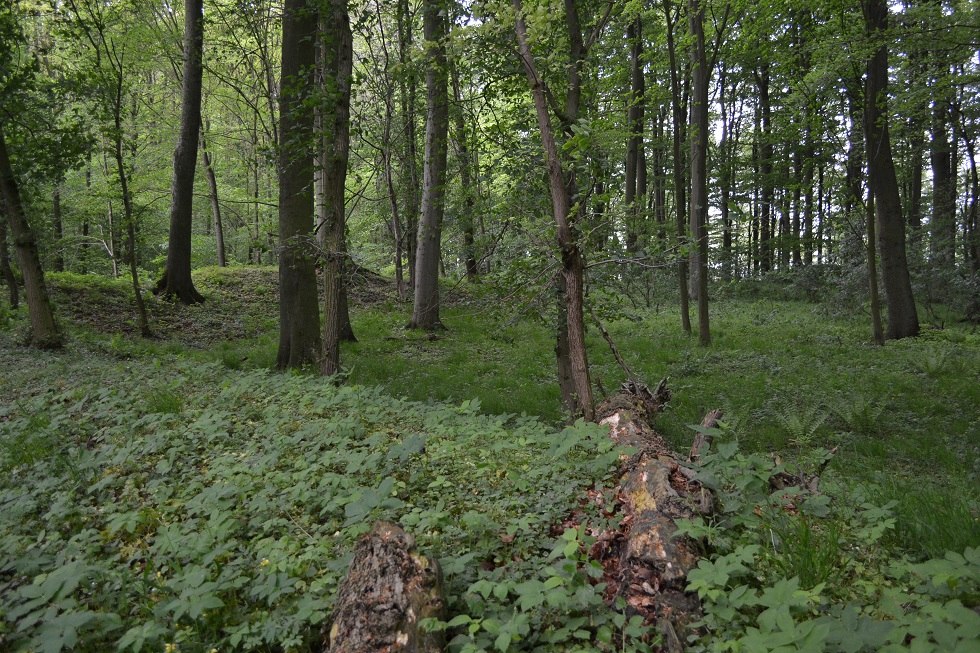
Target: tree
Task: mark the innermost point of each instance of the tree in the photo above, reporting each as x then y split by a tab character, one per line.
701	71
573	363
425	311
176	280
336	46
299	315
45	333
903	320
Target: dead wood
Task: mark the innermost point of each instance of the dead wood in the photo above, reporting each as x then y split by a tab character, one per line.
655	491
389	588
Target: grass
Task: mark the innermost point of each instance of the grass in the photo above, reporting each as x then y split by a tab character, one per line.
793	375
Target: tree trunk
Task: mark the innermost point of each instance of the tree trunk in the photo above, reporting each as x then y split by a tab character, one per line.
903	320
699	171
680	203
425	312
176	281
765	168
389	589
942	159
299	315
5	270
336	47
725	182
877	333
44	329
410	173
219	231
574	367
468	188
633	199
59	256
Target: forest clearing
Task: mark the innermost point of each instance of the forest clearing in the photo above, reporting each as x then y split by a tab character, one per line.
376	326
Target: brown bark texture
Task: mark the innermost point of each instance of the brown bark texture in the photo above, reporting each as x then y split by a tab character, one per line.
219	230
425	311
389	589
6	272
45	333
903	321
176	281
656	490
299	311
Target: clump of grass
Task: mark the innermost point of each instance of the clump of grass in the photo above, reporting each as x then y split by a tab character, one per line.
930	520
164	401
809	552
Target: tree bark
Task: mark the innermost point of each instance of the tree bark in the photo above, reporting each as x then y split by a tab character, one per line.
680	203
388	590
299	315
699	161
410	175
765	168
45	333
903	320
219	230
336	67
572	357
5	270
176	281
942	156
425	312
633	199
468	188
56	220
877	332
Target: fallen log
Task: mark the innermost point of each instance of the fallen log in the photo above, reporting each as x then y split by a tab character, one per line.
389	589
655	491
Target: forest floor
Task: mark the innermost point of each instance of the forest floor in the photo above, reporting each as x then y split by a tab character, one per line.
454	434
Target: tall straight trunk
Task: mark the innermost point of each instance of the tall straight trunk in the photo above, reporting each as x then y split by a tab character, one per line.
45	333
680	203
808	167
176	281
754	256
725	181
59	257
407	96
634	143
573	362
219	230
784	219
877	333
973	206
942	156
396	221
466	180
699	161
659	156
765	168
299	311
337	56
903	321
820	212
425	312
796	226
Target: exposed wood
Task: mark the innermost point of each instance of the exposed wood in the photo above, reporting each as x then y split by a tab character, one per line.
389	589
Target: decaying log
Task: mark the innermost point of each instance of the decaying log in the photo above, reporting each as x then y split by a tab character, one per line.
390	587
655	491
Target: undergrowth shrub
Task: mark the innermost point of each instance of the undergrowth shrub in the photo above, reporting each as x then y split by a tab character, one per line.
136	520
792	571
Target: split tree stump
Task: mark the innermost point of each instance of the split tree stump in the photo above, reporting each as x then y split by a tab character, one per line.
389	588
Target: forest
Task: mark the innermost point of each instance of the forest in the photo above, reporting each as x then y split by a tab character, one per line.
445	325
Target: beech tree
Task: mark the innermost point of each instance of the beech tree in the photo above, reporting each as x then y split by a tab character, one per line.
176	280
425	311
299	314
903	321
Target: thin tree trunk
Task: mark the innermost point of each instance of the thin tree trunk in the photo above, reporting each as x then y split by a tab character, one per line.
680	204
45	333
176	281
903	320
877	333
299	314
699	161
466	180
5	270
425	312
410	173
59	235
634	141
942	155
219	231
337	64
572	357
765	168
